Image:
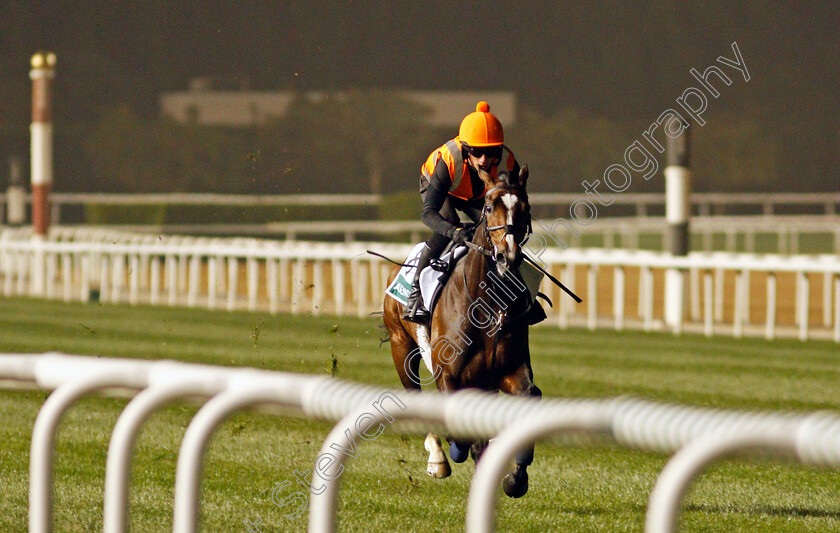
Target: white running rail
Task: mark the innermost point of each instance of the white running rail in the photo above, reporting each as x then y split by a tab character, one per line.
725	293
698	436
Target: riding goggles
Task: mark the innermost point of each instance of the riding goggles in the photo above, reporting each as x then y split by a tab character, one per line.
492	152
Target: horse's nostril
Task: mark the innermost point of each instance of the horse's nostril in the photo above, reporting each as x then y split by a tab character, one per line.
501	259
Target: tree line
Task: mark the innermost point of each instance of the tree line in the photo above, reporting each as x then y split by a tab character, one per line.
375	141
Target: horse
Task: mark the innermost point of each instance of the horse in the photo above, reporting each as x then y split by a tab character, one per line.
477	336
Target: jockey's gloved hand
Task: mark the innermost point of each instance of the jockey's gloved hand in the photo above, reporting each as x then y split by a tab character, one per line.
461	235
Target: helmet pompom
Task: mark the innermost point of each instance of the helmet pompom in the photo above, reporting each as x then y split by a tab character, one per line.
482	107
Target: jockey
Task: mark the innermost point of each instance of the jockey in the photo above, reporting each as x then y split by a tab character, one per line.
454	178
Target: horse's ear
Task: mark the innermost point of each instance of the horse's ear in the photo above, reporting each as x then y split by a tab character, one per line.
523	175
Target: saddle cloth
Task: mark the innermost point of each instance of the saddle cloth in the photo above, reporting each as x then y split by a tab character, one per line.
432	280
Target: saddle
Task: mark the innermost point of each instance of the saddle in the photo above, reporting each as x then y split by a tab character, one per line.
433	278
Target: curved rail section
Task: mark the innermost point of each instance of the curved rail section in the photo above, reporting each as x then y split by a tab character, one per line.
697	436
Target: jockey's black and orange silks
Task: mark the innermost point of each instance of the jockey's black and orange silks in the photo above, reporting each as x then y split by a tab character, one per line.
460	174
442	197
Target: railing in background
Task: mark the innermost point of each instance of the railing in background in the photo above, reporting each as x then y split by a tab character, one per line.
705	204
733	294
699	436
779	234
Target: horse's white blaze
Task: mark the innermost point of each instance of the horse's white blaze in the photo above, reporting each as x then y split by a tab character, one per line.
510	200
425	347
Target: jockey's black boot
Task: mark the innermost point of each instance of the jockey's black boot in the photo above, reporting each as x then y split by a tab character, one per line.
415	311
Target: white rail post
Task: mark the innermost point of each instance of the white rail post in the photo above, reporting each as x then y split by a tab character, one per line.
104	278
318	289
385	269
647	274
194	443
118	465
283	267
212	282
738	319
749	241
720	280
618	297
117	277
708	304
252	273
566	307
641	302
375	280
172	279
746	289
43	442
322	508
232	282
52	268
361	310
673	483
338	286
84	285
354	279
67	276
592	296
678	296
770	328
8	270
194	278
802	297
731	240
271	284
498	456
298	283
182	271
143	270
154	281
694	295
134	276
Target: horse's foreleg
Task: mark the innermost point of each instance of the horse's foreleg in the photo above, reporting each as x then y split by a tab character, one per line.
520	383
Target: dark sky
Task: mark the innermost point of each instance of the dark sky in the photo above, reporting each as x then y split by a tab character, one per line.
626	61
610	57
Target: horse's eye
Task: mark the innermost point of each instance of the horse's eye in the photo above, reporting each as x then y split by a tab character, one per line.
488	209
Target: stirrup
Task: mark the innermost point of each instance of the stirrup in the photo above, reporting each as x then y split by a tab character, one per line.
414	309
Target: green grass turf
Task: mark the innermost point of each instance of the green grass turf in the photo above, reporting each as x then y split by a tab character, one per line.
597	488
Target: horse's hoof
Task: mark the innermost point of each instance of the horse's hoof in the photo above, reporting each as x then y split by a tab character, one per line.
458	452
515	483
477	450
439	470
437	465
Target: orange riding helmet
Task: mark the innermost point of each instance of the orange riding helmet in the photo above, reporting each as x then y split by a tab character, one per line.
481	128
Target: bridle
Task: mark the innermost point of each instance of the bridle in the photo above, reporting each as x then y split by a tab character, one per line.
508	228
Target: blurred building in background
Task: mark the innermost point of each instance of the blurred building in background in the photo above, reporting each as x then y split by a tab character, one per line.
207	105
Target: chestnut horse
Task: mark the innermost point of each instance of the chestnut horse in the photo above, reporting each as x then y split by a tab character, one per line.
478	333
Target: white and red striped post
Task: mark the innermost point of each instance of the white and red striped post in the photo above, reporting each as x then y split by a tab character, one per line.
41	132
678	215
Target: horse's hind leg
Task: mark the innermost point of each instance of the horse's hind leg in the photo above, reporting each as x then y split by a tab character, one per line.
520	383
